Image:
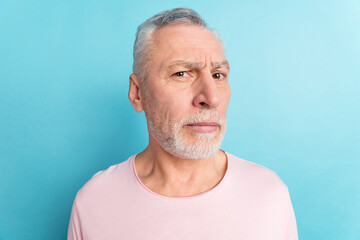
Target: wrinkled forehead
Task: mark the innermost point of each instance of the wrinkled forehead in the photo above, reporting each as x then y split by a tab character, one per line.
186	41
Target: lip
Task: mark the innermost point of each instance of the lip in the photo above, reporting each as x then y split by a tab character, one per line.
203	127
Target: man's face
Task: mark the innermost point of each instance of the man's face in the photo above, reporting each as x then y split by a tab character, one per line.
187	91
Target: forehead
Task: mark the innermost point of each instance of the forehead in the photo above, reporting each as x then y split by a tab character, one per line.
186	42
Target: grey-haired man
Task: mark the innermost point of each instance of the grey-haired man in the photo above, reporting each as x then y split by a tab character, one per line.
182	186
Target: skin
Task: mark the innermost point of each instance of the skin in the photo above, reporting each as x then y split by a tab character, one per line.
187	72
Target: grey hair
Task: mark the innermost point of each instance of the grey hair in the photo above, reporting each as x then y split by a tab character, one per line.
145	31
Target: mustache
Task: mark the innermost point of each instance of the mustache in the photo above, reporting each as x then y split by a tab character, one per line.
210	115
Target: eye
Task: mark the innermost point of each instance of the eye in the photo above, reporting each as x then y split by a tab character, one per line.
179	74
182	76
218	76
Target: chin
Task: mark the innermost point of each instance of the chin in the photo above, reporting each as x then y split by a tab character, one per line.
205	146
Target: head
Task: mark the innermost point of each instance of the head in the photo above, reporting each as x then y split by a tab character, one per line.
180	80
142	45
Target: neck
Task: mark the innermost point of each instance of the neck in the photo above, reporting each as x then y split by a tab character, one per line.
169	175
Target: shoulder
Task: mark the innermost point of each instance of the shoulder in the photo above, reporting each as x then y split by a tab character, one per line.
107	181
255	176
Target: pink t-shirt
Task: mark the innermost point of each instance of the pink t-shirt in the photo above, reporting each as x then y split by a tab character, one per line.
250	203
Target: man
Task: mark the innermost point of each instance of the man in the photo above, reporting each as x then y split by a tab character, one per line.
182	186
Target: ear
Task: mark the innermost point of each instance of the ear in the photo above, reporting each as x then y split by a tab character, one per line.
134	93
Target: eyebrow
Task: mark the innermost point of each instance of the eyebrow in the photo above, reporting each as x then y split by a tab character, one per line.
223	64
199	65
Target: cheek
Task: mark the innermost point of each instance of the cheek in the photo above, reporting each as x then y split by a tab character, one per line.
160	108
225	102
174	102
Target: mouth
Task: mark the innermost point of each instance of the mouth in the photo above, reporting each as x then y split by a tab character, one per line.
203	127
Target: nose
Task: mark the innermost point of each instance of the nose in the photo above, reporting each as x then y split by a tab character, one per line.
207	94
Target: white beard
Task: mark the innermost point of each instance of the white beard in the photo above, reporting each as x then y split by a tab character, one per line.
203	145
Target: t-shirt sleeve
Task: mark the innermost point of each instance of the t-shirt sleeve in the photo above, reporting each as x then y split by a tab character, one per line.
74	230
291	231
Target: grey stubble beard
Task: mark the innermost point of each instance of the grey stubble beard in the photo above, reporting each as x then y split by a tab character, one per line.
168	133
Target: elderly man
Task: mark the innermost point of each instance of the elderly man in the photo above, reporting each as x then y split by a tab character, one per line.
182	186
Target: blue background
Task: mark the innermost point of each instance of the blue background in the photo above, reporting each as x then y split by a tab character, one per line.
64	112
